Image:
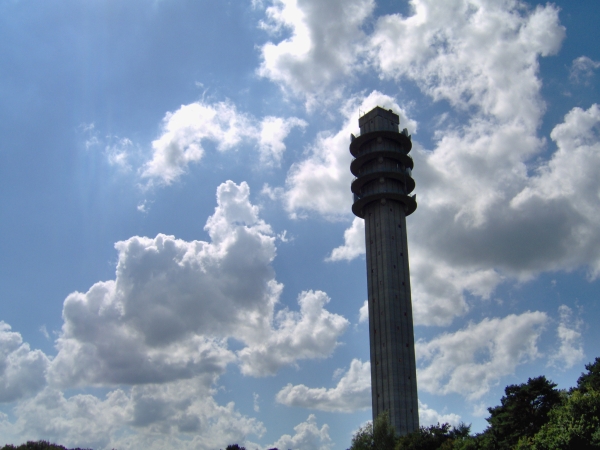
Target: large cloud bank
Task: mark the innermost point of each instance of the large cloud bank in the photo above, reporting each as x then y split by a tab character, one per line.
157	338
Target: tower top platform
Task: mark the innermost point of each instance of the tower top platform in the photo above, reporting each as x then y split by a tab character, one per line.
379	119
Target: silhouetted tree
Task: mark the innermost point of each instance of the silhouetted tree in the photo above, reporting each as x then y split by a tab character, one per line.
524	410
590	381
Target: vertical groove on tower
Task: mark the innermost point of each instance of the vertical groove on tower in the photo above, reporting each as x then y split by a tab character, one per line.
383	170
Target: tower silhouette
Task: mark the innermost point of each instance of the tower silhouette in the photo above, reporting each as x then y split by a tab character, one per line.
383	181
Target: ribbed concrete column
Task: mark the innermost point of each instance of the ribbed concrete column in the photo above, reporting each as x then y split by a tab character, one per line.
393	368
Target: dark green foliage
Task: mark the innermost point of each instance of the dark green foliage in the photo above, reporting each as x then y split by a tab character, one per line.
590	381
235	447
573	425
378	436
434	437
39	445
384	434
523	412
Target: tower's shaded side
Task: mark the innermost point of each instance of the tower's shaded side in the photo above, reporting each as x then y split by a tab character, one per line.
381	196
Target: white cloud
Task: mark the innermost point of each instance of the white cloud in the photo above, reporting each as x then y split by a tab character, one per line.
566	189
44	331
310	333
22	370
353	392
308	437
173	305
479	53
471	360
256	397
325	40
570	350
582	69
363	313
118	153
273	131
180	414
354	243
438	288
429	416
185	130
516	225
144	207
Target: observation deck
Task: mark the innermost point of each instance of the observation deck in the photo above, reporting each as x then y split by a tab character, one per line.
381	164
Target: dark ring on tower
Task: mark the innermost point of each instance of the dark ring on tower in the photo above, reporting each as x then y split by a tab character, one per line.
400	138
409	202
357	163
402	176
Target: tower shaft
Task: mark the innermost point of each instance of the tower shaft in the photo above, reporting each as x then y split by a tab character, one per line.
393	367
383	170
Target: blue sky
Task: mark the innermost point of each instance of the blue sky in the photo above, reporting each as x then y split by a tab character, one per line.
180	267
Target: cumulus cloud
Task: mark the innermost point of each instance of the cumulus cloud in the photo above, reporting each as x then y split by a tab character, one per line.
273	131
325	39
546	221
22	370
185	131
439	288
470	361
118	153
310	333
162	327
308	436
566	188
353	392
429	416
354	243
582	69
485	56
363	312
180	414
570	349
173	305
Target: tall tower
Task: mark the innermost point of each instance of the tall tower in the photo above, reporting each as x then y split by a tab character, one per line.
383	181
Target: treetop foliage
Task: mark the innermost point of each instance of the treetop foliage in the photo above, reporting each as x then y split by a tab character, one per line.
590	381
523	411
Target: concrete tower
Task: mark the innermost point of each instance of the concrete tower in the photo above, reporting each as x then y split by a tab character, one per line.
383	181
